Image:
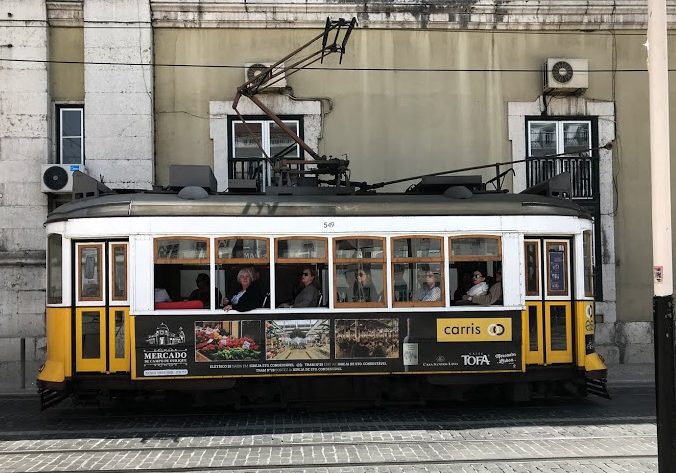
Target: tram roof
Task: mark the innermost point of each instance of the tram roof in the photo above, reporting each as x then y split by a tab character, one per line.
170	205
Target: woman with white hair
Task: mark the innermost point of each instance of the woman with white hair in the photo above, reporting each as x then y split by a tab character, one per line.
246	299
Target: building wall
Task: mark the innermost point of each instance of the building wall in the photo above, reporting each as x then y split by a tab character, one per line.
141	118
24	145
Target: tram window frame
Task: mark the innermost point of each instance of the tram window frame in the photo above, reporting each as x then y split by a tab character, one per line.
422	264
99	273
485	261
566	268
242	262
200	264
360	262
113	273
588	255
535	244
54	268
296	265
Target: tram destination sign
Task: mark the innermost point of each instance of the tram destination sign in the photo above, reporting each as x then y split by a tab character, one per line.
320	343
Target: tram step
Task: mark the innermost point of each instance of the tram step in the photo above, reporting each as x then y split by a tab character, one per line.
598	387
49	398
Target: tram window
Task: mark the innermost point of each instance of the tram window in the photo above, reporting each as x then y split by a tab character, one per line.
179	261
90	277
469	255
558	328
293	256
91	335
532	268
417	268
360	272
54	269
119	267
236	253
557	269
588	264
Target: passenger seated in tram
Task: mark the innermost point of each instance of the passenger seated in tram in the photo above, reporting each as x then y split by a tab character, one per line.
202	291
310	290
494	294
364	290
429	291
479	287
255	287
248	298
161	295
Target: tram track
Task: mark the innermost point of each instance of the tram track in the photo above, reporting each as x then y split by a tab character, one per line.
283	444
371	465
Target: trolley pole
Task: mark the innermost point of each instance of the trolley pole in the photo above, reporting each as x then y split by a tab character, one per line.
663	301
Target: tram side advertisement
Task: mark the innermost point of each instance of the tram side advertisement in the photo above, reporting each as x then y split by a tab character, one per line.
170	346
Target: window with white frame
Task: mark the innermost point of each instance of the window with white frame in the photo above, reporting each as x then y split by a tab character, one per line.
70	134
246	138
559	137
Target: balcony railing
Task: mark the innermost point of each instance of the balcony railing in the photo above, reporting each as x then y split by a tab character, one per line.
582	171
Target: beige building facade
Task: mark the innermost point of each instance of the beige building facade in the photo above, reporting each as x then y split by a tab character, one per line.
423	87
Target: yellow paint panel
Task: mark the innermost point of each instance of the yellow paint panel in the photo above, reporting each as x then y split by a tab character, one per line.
496	329
58	363
119	342
90	332
534	349
584	317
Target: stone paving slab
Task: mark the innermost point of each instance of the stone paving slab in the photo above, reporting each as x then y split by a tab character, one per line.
162	441
299	454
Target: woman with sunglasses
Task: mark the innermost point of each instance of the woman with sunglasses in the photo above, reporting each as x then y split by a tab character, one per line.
479	287
309	294
429	291
364	290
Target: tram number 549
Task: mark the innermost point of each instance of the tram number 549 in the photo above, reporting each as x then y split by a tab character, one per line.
329	224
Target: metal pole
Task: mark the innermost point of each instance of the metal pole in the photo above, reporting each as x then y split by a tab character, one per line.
23	363
663	307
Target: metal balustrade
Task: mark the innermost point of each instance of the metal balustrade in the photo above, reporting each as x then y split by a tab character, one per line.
582	170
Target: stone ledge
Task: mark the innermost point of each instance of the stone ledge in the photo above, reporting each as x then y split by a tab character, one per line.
23	258
601	15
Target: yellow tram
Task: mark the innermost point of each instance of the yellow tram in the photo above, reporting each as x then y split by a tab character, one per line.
392	274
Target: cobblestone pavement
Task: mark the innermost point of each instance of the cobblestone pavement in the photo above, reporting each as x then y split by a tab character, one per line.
589	435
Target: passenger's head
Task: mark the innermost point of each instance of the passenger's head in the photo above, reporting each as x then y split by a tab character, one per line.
498	275
363	276
308	276
244	277
202	281
429	278
478	276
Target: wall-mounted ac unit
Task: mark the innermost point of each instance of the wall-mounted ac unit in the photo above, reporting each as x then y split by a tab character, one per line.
252	70
58	178
565	76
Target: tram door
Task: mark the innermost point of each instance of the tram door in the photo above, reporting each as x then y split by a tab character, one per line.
102	340
548	301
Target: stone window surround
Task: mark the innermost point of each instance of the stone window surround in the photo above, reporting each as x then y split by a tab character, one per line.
220	111
605	113
54	126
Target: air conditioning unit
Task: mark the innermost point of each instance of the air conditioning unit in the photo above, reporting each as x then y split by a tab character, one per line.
254	69
565	76
58	178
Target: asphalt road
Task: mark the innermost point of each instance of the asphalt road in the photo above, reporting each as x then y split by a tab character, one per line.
564	435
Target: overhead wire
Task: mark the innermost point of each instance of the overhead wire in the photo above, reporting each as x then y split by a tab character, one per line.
322	68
